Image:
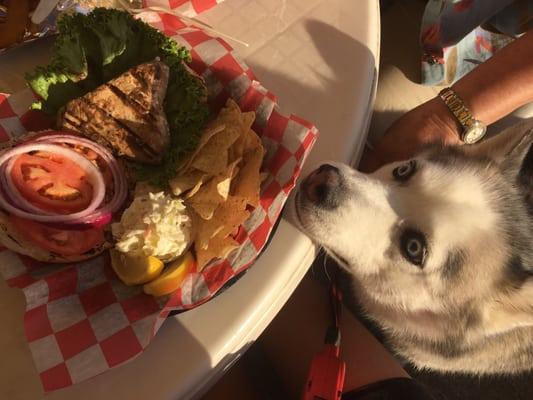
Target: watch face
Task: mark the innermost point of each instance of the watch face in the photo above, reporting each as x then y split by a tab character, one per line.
474	132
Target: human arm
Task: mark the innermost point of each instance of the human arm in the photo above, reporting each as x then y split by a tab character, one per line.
491	91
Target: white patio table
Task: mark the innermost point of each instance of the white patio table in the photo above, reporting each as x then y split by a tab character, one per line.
320	57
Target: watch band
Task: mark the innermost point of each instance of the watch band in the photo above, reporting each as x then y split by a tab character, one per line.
457	107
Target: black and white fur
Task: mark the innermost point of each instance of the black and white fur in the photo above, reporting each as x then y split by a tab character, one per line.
440	248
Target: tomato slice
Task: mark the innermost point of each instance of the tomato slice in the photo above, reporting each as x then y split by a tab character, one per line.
52	182
91	155
59	241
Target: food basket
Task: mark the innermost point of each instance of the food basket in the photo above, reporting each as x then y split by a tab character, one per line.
80	320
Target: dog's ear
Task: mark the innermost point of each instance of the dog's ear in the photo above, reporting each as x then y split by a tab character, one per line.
513	151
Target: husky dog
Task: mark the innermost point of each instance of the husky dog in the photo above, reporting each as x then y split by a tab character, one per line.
440	248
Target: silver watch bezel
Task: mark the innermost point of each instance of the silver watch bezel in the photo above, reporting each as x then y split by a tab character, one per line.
470	135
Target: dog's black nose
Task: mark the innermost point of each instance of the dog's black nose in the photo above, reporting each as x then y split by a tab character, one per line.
322	187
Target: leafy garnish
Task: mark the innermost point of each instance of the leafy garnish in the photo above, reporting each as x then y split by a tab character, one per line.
94	48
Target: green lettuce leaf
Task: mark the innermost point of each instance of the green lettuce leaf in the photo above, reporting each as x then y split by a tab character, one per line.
94	48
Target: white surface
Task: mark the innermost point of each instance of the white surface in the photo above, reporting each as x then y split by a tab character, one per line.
320	58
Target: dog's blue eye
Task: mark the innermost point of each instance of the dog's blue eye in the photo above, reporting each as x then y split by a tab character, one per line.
404	171
413	246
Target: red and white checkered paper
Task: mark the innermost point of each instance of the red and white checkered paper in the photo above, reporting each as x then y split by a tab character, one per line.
80	320
189	8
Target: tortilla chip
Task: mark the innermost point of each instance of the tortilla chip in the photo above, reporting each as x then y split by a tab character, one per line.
231	107
225	179
211	130
216	191
226	219
202	230
252	141
211	161
248	182
231	214
237	149
213	158
219	180
219	247
205	231
247	119
206	209
196	188
183	183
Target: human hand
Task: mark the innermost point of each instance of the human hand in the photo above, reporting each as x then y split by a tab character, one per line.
429	123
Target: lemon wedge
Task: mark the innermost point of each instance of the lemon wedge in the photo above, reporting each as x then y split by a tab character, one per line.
135	270
171	279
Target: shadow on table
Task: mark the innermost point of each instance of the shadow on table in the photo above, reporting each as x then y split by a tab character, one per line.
250	376
309	102
334	46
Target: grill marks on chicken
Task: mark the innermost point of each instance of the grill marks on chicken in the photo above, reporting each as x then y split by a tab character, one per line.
125	114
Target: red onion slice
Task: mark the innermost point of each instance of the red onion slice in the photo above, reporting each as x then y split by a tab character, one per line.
101	216
96	220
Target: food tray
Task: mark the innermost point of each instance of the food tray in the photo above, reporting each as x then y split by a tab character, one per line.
80	320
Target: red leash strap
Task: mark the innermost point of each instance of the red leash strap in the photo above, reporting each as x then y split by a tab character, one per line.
325	379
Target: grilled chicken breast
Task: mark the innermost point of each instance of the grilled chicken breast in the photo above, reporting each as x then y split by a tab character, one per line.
125	114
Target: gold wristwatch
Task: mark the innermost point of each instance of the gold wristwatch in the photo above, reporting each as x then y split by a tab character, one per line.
473	129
